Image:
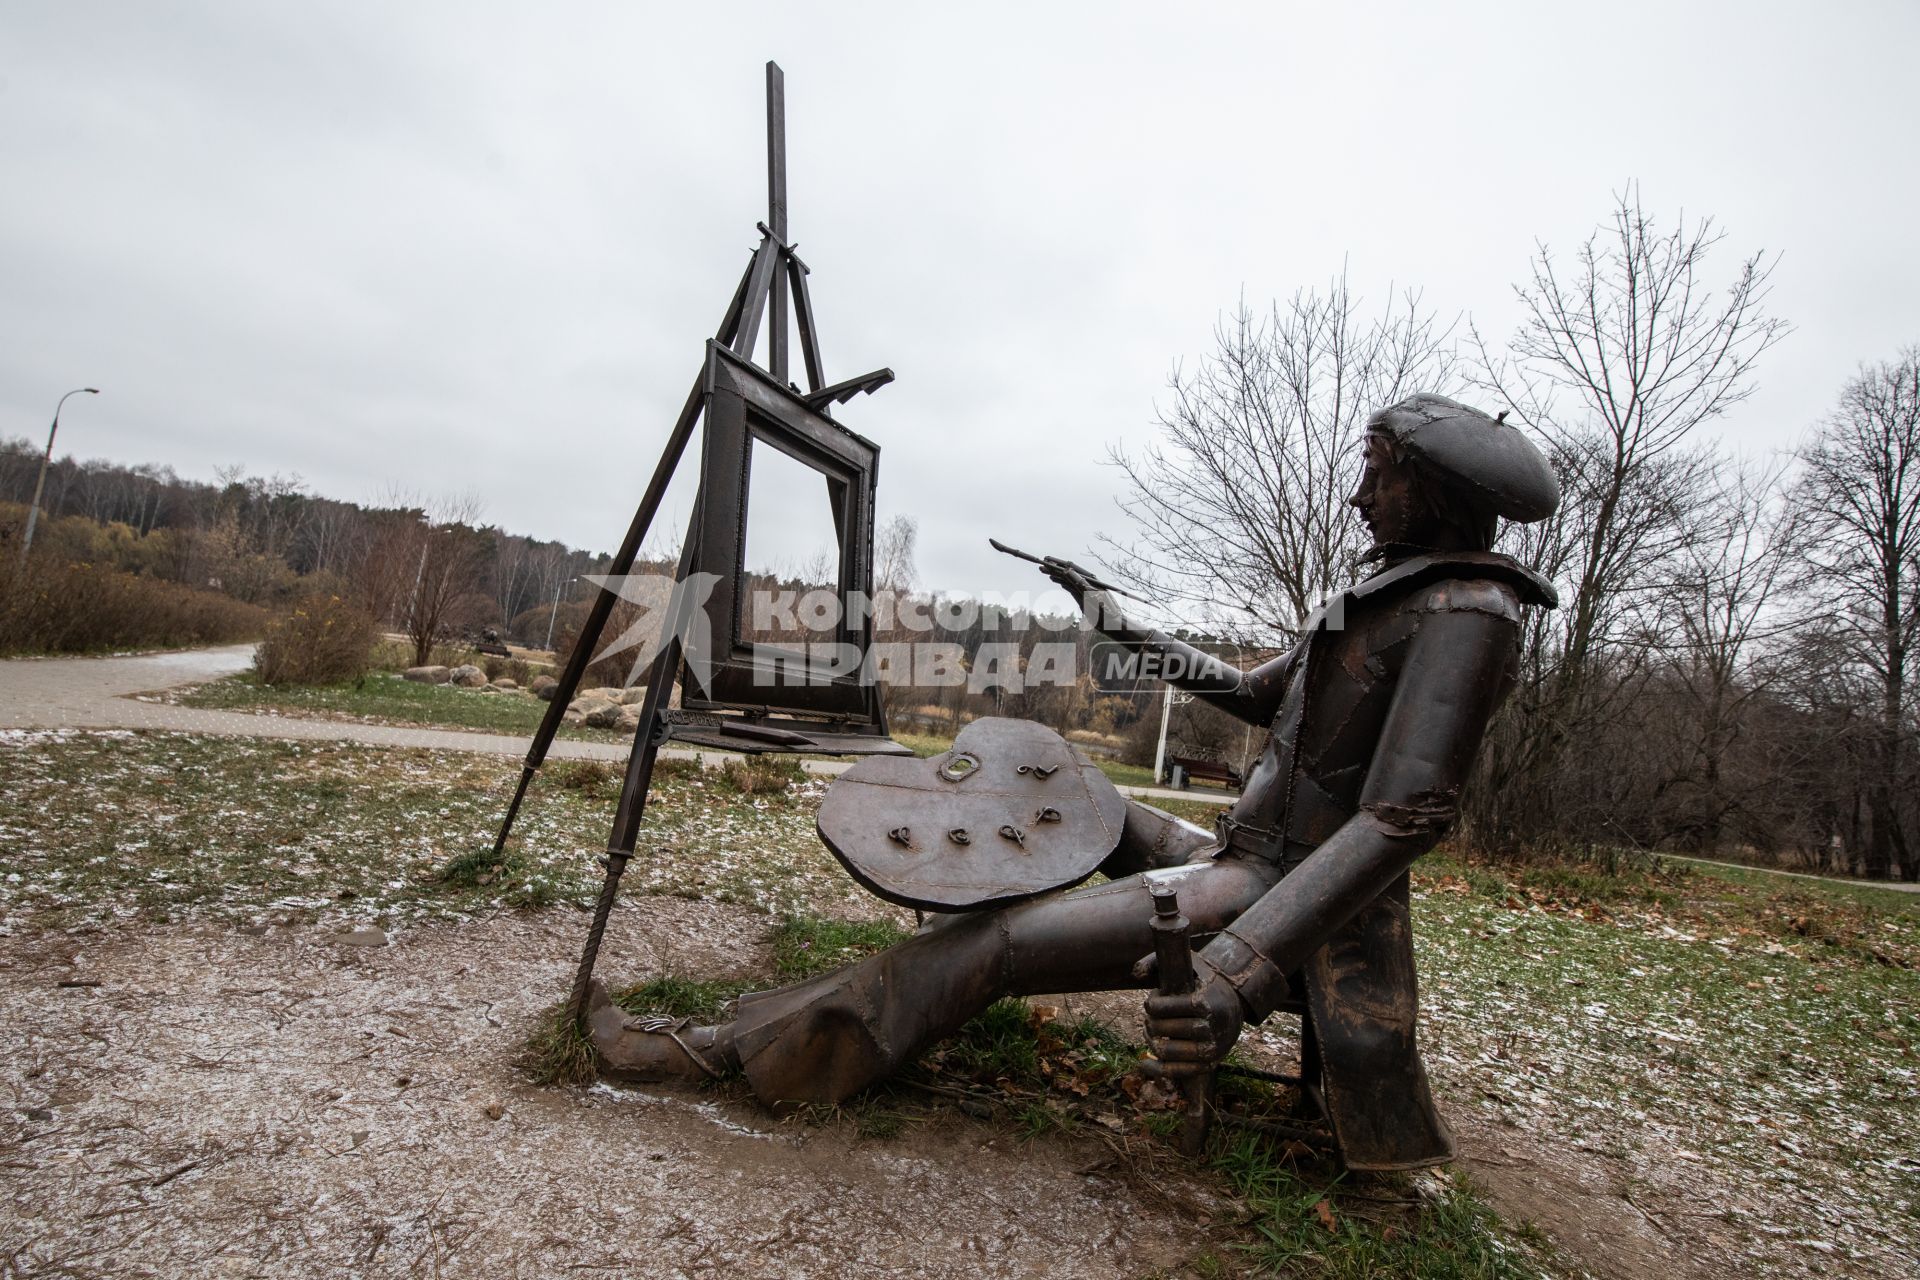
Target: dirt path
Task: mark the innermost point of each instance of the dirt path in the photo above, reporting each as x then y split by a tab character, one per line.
227	1103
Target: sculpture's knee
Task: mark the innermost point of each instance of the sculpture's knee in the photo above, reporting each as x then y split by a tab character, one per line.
1153	838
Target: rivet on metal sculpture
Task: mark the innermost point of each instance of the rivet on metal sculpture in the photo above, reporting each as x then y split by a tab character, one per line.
1297	904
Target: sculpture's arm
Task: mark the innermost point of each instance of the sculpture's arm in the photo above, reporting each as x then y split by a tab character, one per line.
1450	685
1252	696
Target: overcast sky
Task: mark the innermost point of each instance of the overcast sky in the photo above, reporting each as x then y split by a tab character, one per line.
478	246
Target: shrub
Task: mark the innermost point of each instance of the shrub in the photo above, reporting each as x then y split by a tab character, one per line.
322	640
391	655
514	669
766	775
450	654
55	605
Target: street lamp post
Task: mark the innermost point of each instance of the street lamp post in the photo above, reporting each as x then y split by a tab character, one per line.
1168	703
39	486
420	575
553	616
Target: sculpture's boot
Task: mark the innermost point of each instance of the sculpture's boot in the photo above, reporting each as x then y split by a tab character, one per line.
643	1048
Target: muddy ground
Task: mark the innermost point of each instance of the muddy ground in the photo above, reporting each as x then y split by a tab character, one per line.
229	1103
201	1099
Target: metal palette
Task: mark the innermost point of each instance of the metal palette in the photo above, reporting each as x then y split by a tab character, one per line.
1011	811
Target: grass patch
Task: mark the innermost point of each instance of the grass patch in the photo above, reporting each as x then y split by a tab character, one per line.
924	744
762	776
165	826
1821	921
591	779
877	1123
1307	1223
1125	775
1199	812
101	827
476	867
805	945
1764	1026
558	1051
1000	1045
508	875
384	698
671	996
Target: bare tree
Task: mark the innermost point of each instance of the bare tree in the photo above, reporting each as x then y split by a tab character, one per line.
386	560
451	551
893	568
1616	364
329	535
513	573
894	575
1240	507
1860	496
1710	624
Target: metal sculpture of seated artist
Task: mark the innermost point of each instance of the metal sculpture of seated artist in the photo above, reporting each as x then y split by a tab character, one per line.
1300	898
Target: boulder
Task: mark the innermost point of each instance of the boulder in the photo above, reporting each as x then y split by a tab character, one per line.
467	677
543	687
426	675
591	700
633	697
606	715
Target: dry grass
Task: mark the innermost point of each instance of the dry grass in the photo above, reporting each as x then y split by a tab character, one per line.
61	606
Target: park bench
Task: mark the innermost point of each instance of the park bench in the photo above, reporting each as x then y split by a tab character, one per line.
1193	769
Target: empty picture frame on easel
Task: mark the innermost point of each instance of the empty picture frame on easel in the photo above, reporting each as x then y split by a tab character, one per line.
795	691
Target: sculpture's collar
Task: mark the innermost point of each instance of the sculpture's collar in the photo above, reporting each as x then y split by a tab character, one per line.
1420	565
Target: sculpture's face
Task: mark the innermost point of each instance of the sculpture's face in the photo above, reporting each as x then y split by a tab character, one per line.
1386	497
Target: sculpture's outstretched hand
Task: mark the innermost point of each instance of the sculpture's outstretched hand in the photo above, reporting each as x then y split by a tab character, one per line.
1069	577
1093	599
1190	1033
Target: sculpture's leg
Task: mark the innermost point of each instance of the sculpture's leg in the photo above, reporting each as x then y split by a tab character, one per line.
826	1039
1365	1017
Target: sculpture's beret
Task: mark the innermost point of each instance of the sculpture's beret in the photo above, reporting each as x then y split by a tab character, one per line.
1488	458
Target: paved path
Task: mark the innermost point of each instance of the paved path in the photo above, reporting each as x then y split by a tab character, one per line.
1898	886
99	693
